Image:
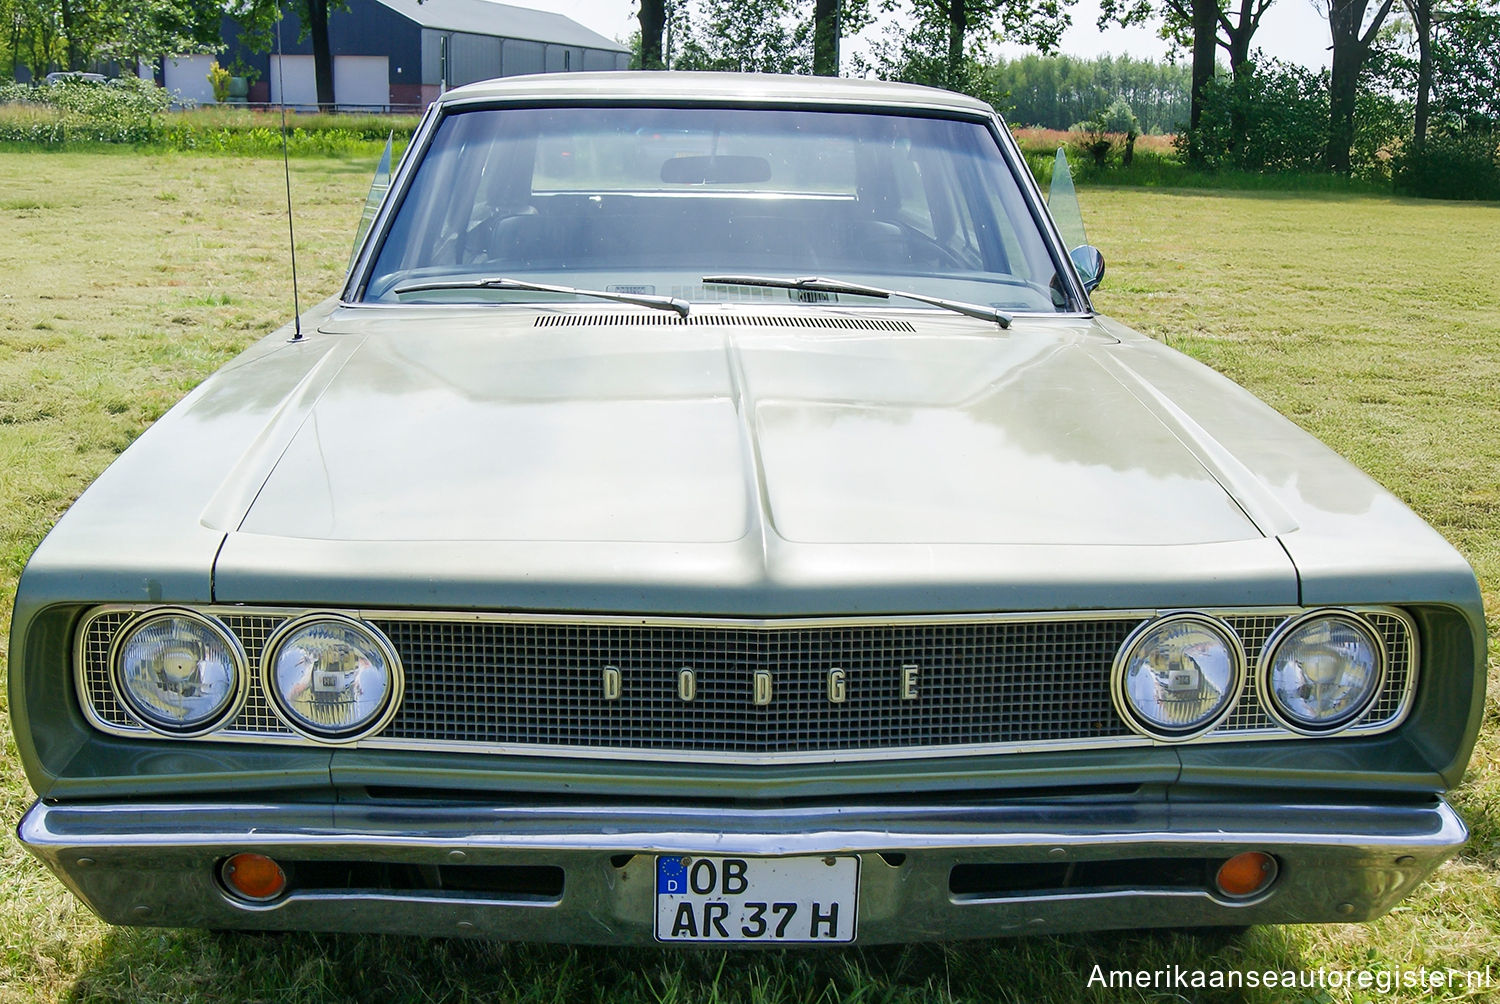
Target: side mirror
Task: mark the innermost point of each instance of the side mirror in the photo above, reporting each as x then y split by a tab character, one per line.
1090	264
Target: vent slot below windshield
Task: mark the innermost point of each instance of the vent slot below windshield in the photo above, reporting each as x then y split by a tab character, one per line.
737	320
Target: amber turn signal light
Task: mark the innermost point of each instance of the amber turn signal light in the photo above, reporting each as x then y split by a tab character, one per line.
254	877
1246	874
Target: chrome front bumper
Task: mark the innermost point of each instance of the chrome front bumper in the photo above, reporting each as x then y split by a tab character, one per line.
158	864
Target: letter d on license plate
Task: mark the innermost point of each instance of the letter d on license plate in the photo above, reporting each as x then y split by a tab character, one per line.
709	899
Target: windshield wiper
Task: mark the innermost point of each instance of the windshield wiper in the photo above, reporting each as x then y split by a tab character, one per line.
500	282
821	285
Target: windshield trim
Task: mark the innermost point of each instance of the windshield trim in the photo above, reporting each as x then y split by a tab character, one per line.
355	285
699	305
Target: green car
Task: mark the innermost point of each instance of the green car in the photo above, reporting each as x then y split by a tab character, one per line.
713	512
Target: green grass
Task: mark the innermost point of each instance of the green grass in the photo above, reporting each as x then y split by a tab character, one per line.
1372	321
239	119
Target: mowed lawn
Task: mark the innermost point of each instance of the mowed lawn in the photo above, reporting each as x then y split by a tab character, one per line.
125	278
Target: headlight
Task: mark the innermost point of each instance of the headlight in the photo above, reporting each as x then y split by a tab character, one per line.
332	677
180	672
1321	671
1178	676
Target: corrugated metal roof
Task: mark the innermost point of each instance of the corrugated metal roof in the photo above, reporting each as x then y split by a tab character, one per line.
484	17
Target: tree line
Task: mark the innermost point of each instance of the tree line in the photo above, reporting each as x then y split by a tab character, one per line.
1409	79
1058	92
43	35
1411	88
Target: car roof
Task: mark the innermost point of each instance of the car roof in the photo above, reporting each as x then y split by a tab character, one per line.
655	86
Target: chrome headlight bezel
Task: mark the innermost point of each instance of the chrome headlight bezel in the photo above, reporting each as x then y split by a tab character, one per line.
239	666
395	688
1285	718
1236	685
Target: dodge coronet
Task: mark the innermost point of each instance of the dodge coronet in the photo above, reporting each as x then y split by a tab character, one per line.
712	511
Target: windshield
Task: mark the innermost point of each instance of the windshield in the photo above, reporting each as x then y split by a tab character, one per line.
651	200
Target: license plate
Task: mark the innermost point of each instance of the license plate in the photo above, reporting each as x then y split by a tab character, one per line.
711	899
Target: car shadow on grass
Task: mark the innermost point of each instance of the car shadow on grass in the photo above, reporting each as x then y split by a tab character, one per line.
152	965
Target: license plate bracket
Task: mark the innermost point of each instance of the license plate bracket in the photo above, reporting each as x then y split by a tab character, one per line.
776	900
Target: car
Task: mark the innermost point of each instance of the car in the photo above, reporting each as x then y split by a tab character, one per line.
713	512
64	77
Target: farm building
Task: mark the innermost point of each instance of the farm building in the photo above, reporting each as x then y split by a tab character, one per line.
402	53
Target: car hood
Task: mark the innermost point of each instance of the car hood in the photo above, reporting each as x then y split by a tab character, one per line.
682	433
807	462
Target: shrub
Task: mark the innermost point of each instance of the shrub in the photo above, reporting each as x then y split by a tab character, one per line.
1273	118
1119	117
1382	125
1105	129
1451	166
126	110
218	79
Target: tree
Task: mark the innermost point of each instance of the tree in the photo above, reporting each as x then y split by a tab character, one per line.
1056	91
759	36
43	34
151	28
316	25
72	31
1459	156
1273	118
258	27
1466	65
653	19
1238	32
826	38
1354	27
938	49
1201	27
1421	17
766	36
35	31
1191	23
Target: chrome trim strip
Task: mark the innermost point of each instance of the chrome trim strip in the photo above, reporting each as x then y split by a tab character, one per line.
401	177
738	623
769	624
918	312
1031	192
756	759
783	830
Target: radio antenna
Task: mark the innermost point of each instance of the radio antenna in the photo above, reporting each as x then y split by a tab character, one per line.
286	168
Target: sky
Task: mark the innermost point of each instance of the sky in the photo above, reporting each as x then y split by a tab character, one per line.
1291	30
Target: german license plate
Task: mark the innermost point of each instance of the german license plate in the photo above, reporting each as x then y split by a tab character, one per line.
713	899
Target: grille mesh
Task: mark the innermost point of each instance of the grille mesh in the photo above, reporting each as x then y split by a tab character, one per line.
1004	683
978	683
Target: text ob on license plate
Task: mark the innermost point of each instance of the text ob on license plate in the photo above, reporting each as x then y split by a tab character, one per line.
756	899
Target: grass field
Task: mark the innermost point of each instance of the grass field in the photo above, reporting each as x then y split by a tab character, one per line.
1371	321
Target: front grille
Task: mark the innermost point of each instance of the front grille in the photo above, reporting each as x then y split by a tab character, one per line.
974	684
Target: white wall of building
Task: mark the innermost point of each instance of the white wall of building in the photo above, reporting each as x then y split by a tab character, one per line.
188	76
362	80
299	77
